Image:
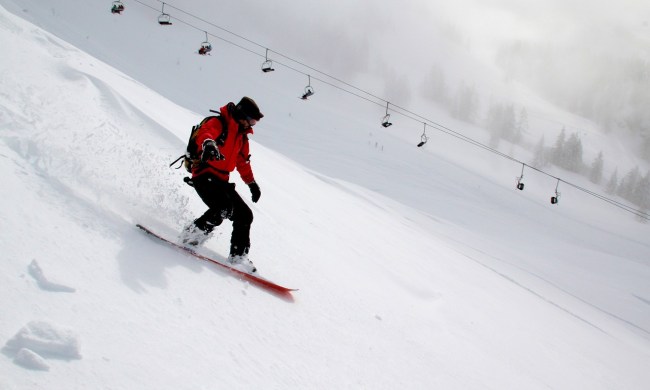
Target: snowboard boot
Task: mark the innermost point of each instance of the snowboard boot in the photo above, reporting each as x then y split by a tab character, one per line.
242	263
193	236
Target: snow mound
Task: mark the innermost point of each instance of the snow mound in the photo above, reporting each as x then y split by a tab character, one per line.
37	273
44	338
30	359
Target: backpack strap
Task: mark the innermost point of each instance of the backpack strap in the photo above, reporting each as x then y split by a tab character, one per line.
190	152
177	160
221	140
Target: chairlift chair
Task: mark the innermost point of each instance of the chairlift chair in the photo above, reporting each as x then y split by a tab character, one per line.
556	198
423	138
385	121
267	65
117	7
206	46
520	185
308	92
308	89
205	49
164	19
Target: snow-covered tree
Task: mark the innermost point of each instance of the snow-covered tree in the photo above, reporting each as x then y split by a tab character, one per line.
509	123
466	104
540	156
641	192
501	121
435	87
557	154
573	154
628	184
522	126
612	183
596	171
645	143
567	153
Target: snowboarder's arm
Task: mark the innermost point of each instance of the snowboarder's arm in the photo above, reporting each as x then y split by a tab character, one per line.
210	130
244	164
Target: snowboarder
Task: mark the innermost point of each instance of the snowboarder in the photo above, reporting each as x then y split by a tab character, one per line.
219	156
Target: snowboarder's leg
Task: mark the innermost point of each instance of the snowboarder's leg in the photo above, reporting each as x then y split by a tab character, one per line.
242	218
216	194
240	243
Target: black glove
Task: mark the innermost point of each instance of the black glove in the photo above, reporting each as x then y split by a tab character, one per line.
255	192
211	151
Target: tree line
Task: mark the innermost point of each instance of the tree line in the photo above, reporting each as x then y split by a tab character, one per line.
505	122
567	153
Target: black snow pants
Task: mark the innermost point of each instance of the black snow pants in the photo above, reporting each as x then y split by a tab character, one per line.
224	203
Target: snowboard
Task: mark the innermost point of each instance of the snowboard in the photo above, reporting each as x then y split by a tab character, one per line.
252	278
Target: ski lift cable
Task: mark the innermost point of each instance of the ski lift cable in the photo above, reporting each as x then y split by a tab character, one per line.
611	201
304	65
604	198
208	34
370	97
209	23
374	99
383	101
267	50
293	68
404	112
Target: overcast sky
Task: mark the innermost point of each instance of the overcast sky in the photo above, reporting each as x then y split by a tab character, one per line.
346	35
573	22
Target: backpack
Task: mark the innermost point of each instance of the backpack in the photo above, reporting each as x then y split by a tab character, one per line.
191	158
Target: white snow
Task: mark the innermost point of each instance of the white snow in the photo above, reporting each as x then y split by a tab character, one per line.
417	268
44	338
37	273
30	359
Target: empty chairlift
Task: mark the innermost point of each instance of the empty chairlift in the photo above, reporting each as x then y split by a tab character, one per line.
555	199
520	184
267	65
309	91
385	121
164	19
424	137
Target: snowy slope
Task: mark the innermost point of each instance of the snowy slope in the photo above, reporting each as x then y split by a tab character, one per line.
473	285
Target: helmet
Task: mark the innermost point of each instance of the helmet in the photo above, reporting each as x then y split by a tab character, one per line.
248	108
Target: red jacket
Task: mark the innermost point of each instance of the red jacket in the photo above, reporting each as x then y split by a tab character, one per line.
235	148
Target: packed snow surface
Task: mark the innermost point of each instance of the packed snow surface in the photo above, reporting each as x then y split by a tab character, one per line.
416	268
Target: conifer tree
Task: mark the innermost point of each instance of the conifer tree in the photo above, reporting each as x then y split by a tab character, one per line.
466	104
557	155
436	87
540	157
628	184
612	184
522	126
572	154
641	193
596	172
